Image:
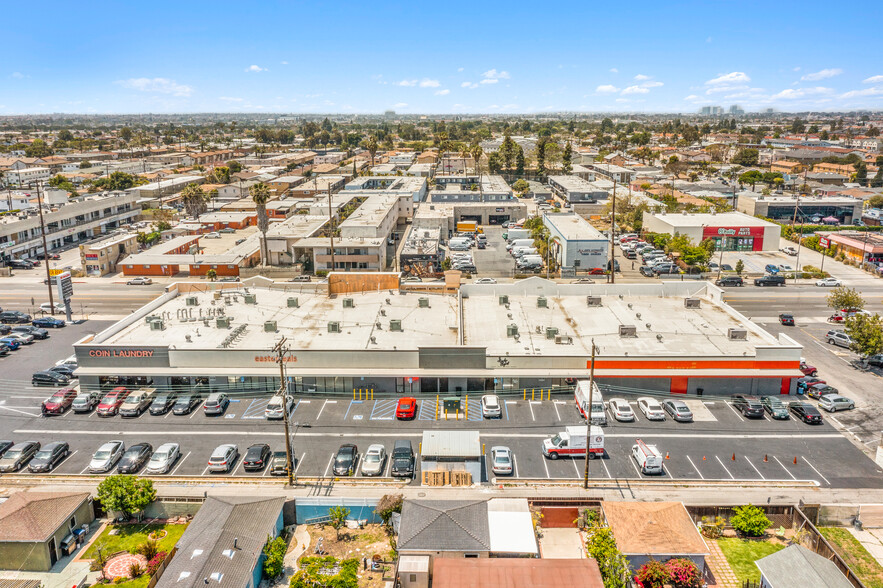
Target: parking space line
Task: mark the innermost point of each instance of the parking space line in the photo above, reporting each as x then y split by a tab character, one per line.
388	467
20	411
725	467
545	465
300	461
532	415
506	408
83	471
609	477
784	468
755	468
172	473
194	412
735	412
328	467
205	471
323	407
816	471
352	402
576	469
694	467
515	465
266	469
558	414
383	409
634	465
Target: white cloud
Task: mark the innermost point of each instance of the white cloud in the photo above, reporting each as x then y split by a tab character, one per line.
873	80
614	70
284	62
255	69
796	68
652	84
607	89
400	104
492	73
405	83
730	78
642	77
635	90
470	85
230	99
725	88
821	75
623	100
158	85
427	83
693	97
797	93
459	69
17	75
489	81
875	91
444	92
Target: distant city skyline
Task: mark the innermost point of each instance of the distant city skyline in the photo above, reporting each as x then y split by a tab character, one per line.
165	57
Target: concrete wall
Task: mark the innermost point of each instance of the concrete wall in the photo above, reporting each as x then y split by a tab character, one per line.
27	557
360	509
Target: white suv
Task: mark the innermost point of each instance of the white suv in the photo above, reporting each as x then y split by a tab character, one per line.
490	406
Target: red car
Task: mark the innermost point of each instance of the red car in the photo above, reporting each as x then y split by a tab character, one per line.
808	370
59	402
407	408
597	271
112	401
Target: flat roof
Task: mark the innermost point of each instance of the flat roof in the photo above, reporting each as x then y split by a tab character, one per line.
441	443
721	219
572	183
573	227
514	572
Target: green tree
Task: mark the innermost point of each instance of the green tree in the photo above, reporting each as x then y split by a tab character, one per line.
125	134
371	146
751	178
798	126
521	186
866	332
750	520
740	267
507	152
541	157
260	194
221	174
234	166
65	135
85	164
338	516
566	158
861	173
211	275
494	164
747	157
118	181
519	161
38	148
126	494
194	200
612	563
274	554
845	297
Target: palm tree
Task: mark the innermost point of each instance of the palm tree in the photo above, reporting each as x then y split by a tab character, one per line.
371	146
260	194
194	199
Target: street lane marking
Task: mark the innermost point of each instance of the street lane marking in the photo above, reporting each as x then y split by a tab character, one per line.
784	468
328	467
725	467
816	471
755	468
179	463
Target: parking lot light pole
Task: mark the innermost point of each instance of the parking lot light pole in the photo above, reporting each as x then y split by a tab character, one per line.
45	250
280	351
589	418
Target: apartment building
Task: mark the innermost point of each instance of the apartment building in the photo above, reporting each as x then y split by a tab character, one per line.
99	259
24	176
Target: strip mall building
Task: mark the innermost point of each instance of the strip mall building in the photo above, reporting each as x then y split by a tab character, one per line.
360	331
732	231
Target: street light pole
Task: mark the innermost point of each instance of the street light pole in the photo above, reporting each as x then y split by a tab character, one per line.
280	351
45	250
589	418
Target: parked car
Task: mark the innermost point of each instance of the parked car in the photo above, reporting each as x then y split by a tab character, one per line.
163	458
22	338
828	282
786	319
227	230
256	457
49	456
730	281
749	406
784	267
35	332
805	412
17	456
485	281
59	402
406	408
402	459
838	338
346	461
112	401
279	464
301	278
374	461
789	250
186	403
137	402
14	317
162	402
67	370
875	360
491	407
501	460
807	381
678	410
647	271
775	407
106	457
818	391
48	308
223	458
770	281
835	402
11	343
771	269
621	410
216	403
134	458
48	378
48	322
85	401
19	264
651	408
212	235
808	370
140	281
278	407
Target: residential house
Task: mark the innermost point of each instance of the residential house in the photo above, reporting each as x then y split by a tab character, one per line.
798	567
834	168
511	573
787	166
34	524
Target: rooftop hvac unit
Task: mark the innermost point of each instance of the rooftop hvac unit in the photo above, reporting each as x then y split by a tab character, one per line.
551	332
737	334
512	330
216	296
292	303
250	299
150	318
157	325
504	300
628	331
563	340
542	302
269	326
593	301
395	325
191	301
349	303
691	303
333	327
222	322
423	302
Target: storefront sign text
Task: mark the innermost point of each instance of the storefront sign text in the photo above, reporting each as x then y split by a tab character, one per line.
273	358
121	353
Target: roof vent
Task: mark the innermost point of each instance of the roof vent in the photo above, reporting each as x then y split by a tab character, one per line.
395	325
349	303
542	302
192	301
691	303
563	340
551	332
628	331
593	301
511	330
269	326
293	303
333	327
250	299
423	302
737	334
504	300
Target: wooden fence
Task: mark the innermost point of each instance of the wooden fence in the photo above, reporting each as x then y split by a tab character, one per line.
161	568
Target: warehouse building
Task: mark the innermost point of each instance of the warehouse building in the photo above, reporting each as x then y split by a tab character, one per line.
577	245
359	330
731	231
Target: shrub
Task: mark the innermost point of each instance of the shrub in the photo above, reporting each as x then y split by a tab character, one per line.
135	570
653	574
713	529
154	563
750	520
683	573
274	552
148	549
120	579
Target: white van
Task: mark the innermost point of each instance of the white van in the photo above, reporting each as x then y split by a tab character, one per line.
581	395
520	243
530	261
459	244
648	458
521	251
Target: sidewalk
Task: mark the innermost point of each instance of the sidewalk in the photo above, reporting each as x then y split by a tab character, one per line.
872	540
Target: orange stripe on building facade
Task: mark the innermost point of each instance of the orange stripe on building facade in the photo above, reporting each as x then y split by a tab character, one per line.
723	364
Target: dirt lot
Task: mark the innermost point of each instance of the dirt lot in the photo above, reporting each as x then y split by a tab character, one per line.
355	543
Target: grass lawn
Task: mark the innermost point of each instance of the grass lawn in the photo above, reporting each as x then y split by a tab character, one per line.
130	537
741	555
855	555
139	582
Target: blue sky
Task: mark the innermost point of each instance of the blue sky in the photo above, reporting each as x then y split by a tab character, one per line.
444	57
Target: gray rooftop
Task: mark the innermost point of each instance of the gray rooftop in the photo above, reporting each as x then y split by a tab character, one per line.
572	226
444	525
798	567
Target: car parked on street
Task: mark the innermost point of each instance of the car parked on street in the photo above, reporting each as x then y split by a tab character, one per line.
257	457
134	458
346	461
17	456
485	281
652	409
49	456
139	281
501	461
828	282
835	402
770	280
729	281
678	410
374	461
163	458
749	406
223	458
838	338
106	457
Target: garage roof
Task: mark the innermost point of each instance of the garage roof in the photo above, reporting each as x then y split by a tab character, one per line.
462	444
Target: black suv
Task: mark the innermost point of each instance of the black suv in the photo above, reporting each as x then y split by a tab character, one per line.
19	264
770	281
346	461
402	460
729	281
14	317
749	406
806	412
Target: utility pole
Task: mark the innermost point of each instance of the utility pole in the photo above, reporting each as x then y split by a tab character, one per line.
589	418
280	350
331	223
612	272
45	250
797	271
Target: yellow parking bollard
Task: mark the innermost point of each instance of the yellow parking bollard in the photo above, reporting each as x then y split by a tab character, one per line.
467	407
525	394
354	393
533	393
436	407
446	413
372	393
